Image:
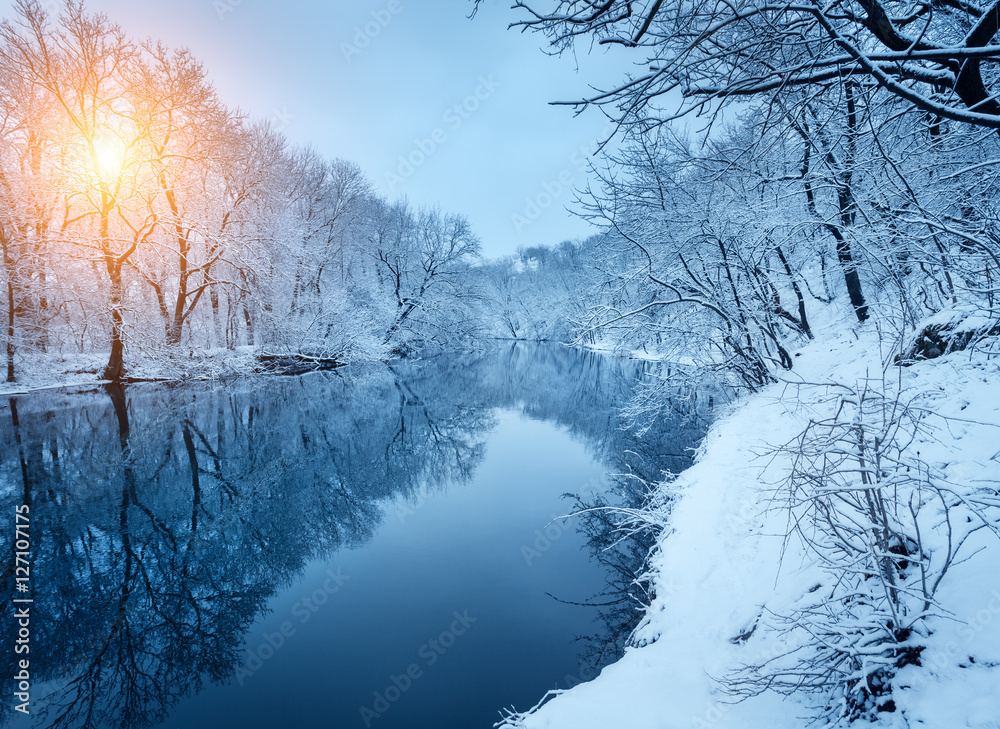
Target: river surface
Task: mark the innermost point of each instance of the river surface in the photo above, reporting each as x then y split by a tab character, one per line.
372	547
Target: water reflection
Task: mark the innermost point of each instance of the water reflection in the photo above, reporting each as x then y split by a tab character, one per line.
165	517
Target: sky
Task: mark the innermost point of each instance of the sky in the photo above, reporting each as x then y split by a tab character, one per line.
434	106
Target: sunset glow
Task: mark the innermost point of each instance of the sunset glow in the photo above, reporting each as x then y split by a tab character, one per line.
108	154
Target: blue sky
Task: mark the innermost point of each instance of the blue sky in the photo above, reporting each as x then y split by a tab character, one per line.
432	105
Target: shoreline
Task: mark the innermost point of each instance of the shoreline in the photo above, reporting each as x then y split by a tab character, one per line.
726	567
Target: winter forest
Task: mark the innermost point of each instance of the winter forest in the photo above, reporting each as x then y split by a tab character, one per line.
230	357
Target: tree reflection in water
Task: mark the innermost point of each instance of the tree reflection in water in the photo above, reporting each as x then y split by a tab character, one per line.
165	516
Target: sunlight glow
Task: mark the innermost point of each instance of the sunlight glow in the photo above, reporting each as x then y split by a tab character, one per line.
108	154
95	158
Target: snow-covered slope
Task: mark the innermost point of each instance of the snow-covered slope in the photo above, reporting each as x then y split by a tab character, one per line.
724	568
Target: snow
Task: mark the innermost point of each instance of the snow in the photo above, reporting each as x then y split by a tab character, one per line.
724	568
42	371
960	319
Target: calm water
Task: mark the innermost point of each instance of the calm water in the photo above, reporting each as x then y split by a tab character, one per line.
372	547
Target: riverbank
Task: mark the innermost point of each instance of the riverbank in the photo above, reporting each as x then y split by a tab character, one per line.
730	588
50	371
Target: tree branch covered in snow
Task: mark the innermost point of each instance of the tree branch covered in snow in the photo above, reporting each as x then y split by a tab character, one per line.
885	527
139	214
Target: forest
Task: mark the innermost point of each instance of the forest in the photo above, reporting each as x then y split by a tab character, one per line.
145	220
141	215
784	183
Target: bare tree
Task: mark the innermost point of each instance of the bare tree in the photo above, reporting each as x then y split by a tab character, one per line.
936	56
186	133
885	527
422	258
86	65
28	200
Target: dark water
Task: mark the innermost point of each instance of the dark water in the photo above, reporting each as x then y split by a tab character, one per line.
372	547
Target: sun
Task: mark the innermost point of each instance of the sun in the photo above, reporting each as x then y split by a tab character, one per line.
108	153
96	157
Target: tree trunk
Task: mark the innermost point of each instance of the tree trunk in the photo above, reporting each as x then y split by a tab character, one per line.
851	277
217	329
803	321
41	230
10	331
845	200
192	455
161	304
43	301
249	323
25	471
183	273
177	320
9	270
115	369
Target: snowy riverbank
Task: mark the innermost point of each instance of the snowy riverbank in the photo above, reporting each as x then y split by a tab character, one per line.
51	371
725	573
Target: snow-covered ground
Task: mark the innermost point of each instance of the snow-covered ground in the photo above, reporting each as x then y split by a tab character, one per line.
53	370
724	568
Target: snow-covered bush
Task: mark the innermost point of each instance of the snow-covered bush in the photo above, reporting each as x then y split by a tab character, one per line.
884	527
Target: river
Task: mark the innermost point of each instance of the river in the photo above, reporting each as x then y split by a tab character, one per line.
370	547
